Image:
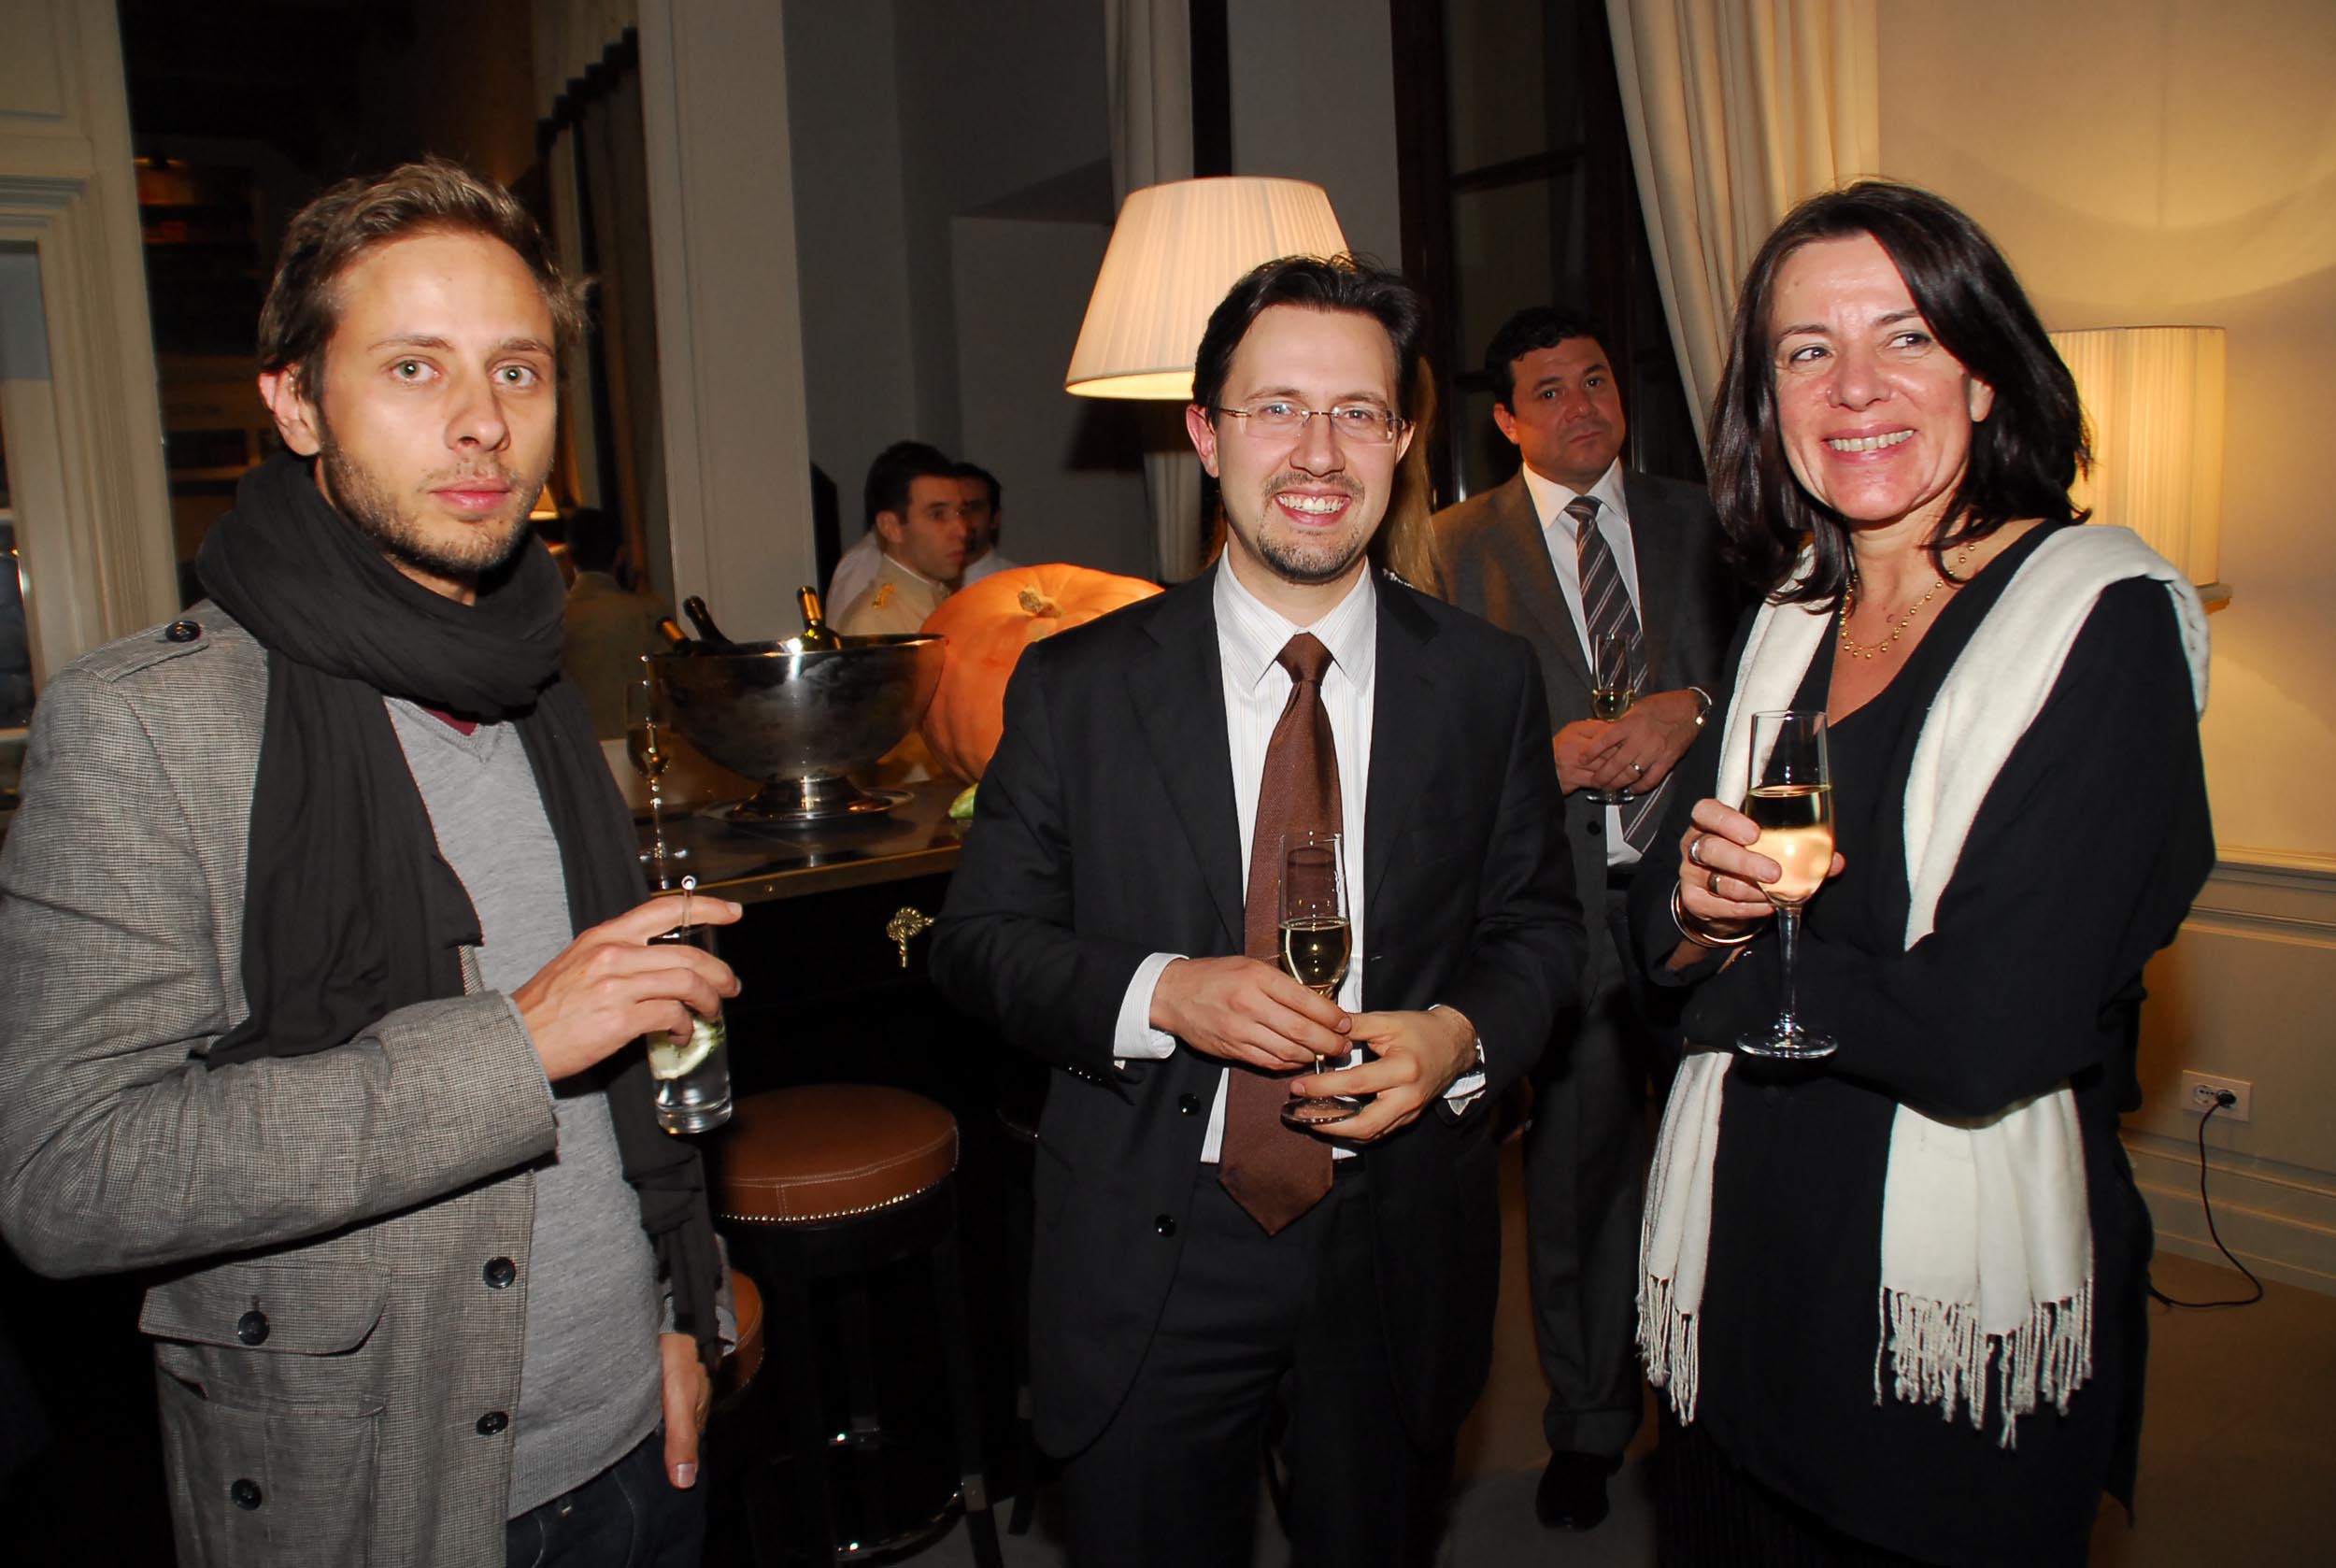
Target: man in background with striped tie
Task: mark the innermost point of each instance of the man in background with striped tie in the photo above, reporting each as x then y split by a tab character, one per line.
1574	550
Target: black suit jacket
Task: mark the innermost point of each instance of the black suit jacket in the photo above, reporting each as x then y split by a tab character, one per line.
1106	831
1493	562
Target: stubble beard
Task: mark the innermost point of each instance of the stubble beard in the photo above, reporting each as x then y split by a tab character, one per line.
473	552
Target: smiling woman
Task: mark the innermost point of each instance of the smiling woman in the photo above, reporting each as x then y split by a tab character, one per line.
2019	807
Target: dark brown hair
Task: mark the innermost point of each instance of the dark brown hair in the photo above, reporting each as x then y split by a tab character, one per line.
2024	455
1339	283
1356	286
329	236
1536	326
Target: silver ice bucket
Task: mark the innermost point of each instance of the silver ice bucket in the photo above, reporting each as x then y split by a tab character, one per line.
801	722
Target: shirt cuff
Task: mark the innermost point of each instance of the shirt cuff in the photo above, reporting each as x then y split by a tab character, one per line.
1135	1039
1470	1086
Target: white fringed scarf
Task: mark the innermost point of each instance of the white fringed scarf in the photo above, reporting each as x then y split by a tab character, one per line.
1986	1246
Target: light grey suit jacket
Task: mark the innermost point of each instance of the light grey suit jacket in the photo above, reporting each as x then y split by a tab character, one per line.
1491	559
335	1365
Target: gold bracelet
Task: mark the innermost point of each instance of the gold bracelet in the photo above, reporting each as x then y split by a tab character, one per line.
1702	939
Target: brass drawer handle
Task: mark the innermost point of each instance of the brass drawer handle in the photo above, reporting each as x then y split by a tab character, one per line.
905	923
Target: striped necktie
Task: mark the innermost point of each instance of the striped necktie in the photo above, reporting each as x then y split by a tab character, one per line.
1607	611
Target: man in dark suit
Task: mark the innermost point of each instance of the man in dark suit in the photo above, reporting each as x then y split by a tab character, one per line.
1196	1258
1572	547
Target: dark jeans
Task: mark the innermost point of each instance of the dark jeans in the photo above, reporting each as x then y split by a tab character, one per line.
629	1516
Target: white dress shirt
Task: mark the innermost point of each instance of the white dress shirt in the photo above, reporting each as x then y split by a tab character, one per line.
1561	535
854	571
1249	636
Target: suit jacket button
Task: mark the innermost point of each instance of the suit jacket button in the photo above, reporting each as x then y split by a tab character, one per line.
1164	1224
1595	825
185	632
251	1327
244	1493
1189	1104
492	1422
499	1273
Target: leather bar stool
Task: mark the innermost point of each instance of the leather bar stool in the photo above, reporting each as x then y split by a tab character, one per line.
733	1439
821	1188
739	1367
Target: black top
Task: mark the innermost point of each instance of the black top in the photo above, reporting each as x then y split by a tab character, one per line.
2080	864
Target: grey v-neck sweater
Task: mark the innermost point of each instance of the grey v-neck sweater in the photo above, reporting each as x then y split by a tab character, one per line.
591	1379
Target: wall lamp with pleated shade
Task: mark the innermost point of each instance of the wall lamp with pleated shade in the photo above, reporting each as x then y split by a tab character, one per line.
2155	398
1174	252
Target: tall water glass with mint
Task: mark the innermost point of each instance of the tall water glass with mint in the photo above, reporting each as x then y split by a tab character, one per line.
692	1075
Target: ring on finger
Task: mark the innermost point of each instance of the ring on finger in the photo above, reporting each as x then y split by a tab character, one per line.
1711	880
1695	848
1638	767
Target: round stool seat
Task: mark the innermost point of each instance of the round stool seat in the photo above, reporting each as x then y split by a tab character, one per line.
829	1151
742	1364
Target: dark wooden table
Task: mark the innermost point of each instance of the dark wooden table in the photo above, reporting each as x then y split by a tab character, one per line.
755	865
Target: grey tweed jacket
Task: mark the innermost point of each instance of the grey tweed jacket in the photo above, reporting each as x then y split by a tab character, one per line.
337	1244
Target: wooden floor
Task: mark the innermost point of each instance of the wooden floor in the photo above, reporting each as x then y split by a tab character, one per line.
2238	1452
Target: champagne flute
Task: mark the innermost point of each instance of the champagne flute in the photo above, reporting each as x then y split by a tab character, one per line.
1791	801
1316	945
649	745
1612	690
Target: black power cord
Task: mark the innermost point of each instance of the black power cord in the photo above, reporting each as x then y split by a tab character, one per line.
2224	1099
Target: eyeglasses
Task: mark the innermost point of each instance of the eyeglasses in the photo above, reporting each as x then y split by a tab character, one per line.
1364	424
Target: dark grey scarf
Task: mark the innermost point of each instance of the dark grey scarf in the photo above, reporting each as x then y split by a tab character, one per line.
349	913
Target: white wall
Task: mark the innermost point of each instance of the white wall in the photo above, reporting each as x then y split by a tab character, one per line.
729	327
2148	161
1070	492
853	259
994	99
947	250
1314	98
92	515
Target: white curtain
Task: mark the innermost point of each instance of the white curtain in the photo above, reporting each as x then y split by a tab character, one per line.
1149	72
1737	110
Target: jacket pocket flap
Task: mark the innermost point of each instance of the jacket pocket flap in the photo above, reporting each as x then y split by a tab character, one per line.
289	1309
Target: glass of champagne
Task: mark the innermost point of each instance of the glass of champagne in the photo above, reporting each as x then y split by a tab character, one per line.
693	1074
1316	946
649	745
1791	801
1612	690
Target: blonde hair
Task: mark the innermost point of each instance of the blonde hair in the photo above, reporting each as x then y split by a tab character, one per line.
1406	542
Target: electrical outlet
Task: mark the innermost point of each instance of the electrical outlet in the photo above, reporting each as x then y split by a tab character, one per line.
2199	1091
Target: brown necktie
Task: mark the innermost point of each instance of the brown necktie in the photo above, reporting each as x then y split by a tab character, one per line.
1274	1171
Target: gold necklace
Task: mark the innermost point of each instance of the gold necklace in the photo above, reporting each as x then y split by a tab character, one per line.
1874	651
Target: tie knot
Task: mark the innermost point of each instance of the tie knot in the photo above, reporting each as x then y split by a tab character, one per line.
1584	510
1304	657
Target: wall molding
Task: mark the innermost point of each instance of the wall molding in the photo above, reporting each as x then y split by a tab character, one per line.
2245	991
98	554
2268	892
2280	1221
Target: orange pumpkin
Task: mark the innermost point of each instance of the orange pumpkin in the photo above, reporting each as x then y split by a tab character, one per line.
988	624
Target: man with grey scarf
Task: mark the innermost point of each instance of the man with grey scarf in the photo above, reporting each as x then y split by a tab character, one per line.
324	942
